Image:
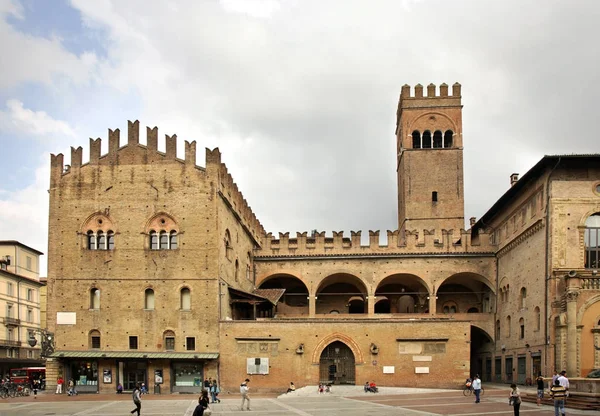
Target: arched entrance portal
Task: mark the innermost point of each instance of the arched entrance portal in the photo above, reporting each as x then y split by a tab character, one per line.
337	365
482	347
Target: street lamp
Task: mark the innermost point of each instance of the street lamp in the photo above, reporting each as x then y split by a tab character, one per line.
47	341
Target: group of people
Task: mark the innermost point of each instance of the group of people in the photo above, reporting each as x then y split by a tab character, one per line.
370	387
71	391
558	389
212	387
324	388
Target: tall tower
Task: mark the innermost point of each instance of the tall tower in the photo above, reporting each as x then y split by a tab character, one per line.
430	160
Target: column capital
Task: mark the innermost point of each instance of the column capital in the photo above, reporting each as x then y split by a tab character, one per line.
572	295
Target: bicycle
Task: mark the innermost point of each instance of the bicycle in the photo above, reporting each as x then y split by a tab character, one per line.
468	390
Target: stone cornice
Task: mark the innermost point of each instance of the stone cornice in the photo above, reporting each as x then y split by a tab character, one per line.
528	232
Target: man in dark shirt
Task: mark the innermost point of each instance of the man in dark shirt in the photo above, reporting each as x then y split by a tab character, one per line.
540	388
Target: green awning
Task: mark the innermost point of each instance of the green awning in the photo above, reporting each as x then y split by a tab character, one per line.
136	354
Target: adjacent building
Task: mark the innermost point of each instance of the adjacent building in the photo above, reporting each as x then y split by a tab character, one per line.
20	311
160	272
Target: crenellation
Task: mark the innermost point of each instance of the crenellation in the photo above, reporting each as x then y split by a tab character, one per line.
418	91
171	149
95	150
190	153
113	143
456	89
426	241
152	138
76	157
431	90
133	132
443	90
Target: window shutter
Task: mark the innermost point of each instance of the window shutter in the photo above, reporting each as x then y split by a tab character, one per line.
264	366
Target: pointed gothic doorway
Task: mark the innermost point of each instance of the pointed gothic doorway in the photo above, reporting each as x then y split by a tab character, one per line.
337	365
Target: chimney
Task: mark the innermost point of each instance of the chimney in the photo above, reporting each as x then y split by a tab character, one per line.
472	221
514	178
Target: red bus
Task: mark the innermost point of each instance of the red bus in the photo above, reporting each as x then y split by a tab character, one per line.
26	375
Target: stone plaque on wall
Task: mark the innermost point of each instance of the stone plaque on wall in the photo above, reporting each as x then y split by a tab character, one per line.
410	348
435	348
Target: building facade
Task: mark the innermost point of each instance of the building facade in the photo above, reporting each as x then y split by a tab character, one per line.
159	272
20	310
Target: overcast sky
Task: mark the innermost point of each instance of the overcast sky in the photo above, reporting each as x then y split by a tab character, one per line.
299	95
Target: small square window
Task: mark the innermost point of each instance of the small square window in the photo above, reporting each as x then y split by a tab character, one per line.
133	343
170	343
190	343
96	342
434	196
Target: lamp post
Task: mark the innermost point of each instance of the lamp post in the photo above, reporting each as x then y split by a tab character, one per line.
47	341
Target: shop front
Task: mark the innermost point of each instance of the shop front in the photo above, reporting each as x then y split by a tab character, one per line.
84	374
161	373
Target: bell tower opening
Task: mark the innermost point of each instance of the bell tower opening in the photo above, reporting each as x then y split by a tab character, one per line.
430	159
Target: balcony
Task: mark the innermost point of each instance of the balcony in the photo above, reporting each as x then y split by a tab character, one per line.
9	343
12	321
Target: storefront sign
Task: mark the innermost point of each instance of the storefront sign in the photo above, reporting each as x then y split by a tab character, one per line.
107	376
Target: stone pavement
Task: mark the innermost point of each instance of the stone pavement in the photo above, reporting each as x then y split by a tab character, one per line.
347	401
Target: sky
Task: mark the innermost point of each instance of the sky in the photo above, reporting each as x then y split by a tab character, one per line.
299	95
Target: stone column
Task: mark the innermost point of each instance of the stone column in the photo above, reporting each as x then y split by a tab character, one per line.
370	305
312	306
432	303
572	334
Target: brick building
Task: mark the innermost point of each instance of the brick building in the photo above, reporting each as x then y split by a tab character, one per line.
159	271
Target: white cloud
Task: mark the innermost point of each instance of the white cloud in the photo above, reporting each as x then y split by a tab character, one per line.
27	58
18	119
24	213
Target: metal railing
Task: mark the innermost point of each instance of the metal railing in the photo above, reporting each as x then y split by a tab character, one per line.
9	343
12	321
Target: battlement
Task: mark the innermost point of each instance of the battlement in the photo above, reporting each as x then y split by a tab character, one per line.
134	153
413	242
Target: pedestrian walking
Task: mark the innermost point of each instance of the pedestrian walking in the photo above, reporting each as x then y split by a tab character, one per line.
214	391
558	394
137	399
245	396
202	409
477	388
514	398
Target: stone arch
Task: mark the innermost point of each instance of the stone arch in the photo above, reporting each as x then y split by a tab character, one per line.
98	221
467	290
161	221
294	300
358	356
335	291
268	275
586	305
588	214
446	124
407	293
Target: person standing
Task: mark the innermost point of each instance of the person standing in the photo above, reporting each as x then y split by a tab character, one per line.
515	397
564	381
245	396
558	394
477	387
137	399
214	391
540	388
554	377
59	384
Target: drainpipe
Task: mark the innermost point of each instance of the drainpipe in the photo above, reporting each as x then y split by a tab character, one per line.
546	268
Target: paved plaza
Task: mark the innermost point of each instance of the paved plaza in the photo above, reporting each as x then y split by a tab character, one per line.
409	402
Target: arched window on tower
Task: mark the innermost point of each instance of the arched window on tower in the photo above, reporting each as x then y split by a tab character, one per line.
592	241
416	137
149	299
91	240
498	329
101	241
153	240
537	318
173	240
164	240
110	239
237	269
508	326
437	139
95	298
186	299
523	298
521	328
448	134
426	139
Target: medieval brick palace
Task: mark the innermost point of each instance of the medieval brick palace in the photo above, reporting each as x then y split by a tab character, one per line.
159	272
